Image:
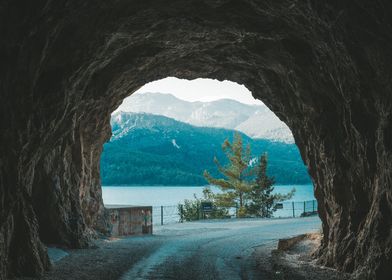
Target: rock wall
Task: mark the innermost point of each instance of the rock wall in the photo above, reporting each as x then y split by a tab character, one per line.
323	67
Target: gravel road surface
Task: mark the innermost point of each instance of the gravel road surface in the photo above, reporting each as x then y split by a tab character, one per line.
217	249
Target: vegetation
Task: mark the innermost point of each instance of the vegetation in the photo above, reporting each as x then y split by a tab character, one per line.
262	202
239	183
236	174
190	210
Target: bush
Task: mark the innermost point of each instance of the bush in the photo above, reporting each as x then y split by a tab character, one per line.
191	210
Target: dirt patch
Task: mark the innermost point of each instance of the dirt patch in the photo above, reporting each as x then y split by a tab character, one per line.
296	261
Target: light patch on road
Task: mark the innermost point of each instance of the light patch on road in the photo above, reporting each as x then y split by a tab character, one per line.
146	267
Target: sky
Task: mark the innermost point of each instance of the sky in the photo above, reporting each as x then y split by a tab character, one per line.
201	90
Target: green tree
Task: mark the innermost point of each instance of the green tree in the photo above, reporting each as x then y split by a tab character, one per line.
237	174
262	200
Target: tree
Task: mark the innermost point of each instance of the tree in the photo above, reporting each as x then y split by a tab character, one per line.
237	173
247	184
262	200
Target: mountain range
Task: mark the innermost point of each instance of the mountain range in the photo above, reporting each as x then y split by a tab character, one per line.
147	149
256	121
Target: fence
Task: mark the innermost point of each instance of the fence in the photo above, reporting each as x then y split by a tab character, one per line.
288	209
165	215
296	209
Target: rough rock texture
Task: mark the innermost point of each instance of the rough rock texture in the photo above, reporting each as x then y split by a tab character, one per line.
324	67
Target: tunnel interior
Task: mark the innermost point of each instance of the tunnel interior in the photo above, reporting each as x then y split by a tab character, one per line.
322	68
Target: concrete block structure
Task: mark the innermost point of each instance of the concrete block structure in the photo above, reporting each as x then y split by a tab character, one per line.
130	220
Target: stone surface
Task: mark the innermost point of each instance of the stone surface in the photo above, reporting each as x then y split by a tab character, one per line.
324	67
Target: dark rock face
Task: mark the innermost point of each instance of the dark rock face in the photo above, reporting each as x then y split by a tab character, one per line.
323	67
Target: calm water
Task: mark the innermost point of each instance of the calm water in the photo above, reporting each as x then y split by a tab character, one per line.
157	196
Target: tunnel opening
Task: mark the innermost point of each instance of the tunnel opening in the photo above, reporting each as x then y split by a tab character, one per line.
167	133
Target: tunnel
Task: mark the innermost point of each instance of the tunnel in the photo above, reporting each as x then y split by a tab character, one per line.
323	67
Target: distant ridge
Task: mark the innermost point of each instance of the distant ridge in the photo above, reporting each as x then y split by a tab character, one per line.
256	121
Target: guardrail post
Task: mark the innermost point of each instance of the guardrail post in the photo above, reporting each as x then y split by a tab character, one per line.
161	215
181	213
304	207
313	206
293	209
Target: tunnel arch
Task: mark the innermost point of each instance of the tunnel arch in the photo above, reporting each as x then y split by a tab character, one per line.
325	75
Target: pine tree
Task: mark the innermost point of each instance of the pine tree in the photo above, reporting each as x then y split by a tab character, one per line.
236	182
262	200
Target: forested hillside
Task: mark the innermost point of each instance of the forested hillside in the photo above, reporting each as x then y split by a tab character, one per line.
148	149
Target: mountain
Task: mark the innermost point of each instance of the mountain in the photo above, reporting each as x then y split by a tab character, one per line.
256	121
148	149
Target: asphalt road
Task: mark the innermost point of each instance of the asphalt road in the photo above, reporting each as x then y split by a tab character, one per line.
215	249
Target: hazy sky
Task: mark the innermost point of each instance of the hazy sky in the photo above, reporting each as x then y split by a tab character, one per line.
201	90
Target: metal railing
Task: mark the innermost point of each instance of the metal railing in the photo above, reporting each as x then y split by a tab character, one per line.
288	209
165	215
296	209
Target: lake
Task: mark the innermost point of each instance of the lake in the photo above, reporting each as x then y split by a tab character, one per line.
172	195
